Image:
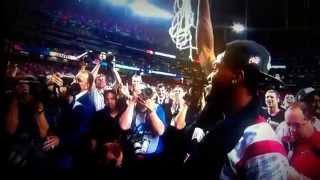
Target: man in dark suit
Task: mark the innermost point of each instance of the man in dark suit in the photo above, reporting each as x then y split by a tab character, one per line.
72	138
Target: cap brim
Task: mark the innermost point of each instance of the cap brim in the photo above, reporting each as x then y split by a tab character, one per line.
267	79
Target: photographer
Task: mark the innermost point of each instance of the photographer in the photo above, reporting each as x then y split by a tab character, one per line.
26	128
105	77
145	121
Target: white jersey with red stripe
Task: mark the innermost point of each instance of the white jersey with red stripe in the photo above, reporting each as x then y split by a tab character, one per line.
259	154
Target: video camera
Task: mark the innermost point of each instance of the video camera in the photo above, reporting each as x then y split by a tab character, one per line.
65	81
106	61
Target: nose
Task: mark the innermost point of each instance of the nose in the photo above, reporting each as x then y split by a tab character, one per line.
292	130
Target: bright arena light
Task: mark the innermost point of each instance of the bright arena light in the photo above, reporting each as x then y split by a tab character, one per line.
144	8
238	28
119	2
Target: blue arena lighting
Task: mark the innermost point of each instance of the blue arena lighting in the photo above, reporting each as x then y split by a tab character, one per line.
119	2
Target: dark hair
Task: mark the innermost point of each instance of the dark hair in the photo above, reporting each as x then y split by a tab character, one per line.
161	85
120	105
110	91
274	91
99	75
147	93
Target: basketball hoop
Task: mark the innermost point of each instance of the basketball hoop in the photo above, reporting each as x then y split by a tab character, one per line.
183	22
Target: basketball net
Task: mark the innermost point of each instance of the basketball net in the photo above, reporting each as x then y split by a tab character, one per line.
183	22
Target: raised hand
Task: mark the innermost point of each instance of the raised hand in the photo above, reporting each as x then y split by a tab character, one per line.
51	143
56	80
124	89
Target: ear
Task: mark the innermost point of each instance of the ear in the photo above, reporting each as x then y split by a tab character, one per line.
240	76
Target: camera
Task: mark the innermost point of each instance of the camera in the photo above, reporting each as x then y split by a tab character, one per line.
146	93
107	61
141	146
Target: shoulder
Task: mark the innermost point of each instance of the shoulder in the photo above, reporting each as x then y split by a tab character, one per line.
258	139
259	132
159	110
315	139
264	112
316	124
100	114
86	99
282	130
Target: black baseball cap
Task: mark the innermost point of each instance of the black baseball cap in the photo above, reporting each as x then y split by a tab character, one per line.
247	54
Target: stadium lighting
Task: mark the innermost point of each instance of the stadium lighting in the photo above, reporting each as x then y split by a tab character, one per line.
278	67
162	73
144	8
119	2
165	55
120	66
238	28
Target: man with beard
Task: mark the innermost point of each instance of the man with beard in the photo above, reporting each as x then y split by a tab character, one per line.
239	144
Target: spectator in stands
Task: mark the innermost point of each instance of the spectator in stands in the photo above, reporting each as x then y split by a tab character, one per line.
311	96
307	96
288	100
74	138
163	99
177	102
105	131
136	84
103	69
273	113
98	90
27	128
306	141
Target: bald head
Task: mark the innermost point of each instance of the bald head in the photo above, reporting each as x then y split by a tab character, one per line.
85	80
299	120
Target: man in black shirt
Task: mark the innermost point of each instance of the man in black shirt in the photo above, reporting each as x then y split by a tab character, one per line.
106	133
273	112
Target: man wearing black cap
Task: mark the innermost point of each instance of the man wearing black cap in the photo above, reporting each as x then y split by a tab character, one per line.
240	144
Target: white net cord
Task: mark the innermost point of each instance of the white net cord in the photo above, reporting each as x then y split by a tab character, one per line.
181	25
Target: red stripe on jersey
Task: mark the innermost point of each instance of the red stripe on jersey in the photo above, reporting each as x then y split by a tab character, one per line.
260	148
